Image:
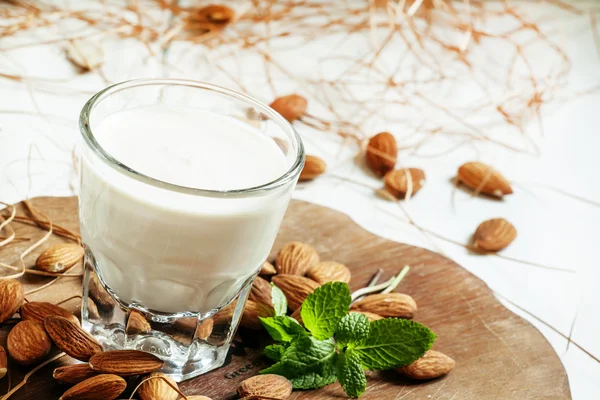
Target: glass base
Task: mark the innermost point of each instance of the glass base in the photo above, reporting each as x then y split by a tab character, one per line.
189	343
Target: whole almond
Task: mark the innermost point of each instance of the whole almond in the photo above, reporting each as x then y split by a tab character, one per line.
72	374
59	257
211	17
387	305
71	338
267	269
313	167
261	291
328	271
291	107
268	385
28	343
372	317
296	288
295	258
204	330
494	234
11	298
125	362
483	179
39	310
432	365
99	295
99	387
156	388
381	153
252	312
137	323
3	362
92	310
402	181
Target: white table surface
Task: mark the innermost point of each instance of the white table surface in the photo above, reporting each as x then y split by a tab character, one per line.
39	134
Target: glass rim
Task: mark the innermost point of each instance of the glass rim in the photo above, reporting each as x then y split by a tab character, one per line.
98	150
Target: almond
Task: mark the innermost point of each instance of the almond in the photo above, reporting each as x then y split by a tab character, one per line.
297	315
198	398
483	178
39	310
296	288
295	258
211	17
291	107
11	298
381	153
156	388
74	373
125	362
387	305
3	362
28	343
267	269
225	314
71	338
253	310
328	271
261	291
99	295
313	167
402	181
60	257
494	234
136	323
92	310
204	330
432	365
99	387
268	385
372	317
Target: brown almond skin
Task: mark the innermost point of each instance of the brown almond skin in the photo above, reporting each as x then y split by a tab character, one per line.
198	398
297	315
156	388
329	271
494	234
396	305
381	153
432	365
484	179
295	258
268	385
296	288
204	330
99	387
3	362
267	269
252	312
71	338
372	317
313	167
59	257
100	296
136	323
72	374
211	17
39	310
291	107
28	343
397	181
125	362
11	298
261	291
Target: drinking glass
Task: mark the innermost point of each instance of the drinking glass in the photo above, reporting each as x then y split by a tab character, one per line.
168	267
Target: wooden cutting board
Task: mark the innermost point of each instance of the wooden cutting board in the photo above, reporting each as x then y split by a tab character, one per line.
498	355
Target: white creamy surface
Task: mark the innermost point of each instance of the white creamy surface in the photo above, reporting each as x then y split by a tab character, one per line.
169	251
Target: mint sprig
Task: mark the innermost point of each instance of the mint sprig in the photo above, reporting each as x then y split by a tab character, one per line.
337	345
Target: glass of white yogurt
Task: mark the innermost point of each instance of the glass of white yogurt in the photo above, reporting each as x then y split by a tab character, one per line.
183	189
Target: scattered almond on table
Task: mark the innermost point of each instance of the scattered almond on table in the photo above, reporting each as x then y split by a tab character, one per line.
494	234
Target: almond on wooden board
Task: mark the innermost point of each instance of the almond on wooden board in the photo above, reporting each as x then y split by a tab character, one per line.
494	234
402	181
59	257
125	362
11	298
261	291
483	178
381	153
136	323
313	167
372	317
387	305
28	343
71	338
39	310
432	365
296	288
291	107
99	387
295	258
252	311
156	388
267	269
3	362
74	373
268	385
328	271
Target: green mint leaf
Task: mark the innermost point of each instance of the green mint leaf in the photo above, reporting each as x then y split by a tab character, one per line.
323	376
393	343
279	301
324	308
282	328
351	375
352	330
274	351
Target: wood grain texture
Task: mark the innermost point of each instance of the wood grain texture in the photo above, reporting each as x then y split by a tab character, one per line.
498	355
